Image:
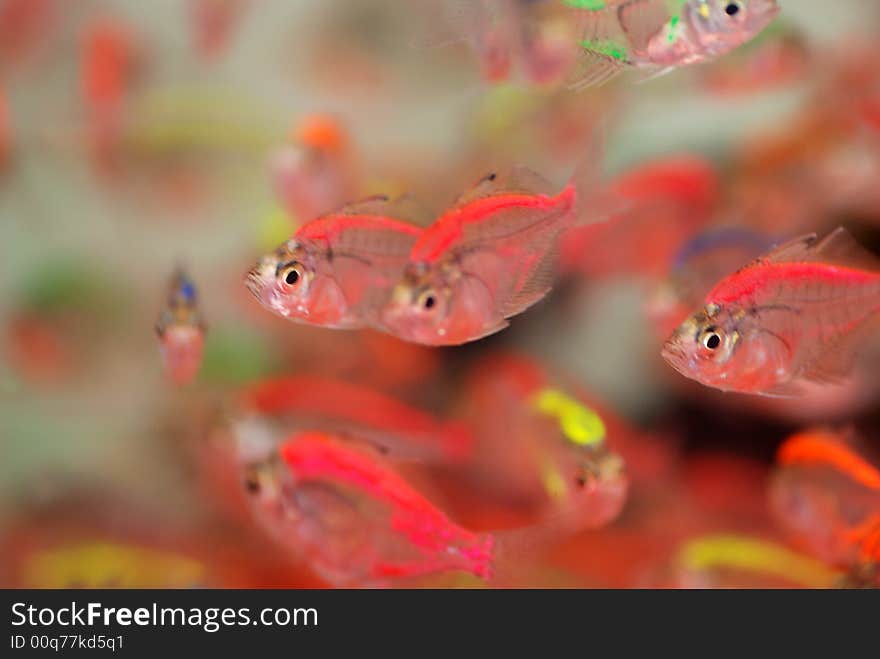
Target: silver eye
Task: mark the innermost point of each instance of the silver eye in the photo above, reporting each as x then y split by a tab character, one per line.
292	273
712	339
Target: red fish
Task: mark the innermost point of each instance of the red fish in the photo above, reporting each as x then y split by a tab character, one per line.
401	431
212	23
355	519
313	174
337	270
797	314
542	445
668	201
106	69
181	330
828	494
490	257
5	132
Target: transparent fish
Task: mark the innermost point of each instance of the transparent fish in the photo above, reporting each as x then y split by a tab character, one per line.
798	314
661	35
181	330
337	270
827	492
354	518
491	256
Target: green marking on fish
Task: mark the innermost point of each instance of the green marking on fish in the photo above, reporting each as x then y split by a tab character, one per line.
607	48
673	24
591	5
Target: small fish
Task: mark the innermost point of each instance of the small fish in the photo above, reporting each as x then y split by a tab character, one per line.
796	315
829	494
668	200
181	330
313	174
708	560
661	35
337	270
6	142
397	429
542	445
534	34
491	256
354	518
107	66
213	22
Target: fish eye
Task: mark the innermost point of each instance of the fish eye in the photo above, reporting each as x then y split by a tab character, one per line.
427	300
252	484
711	339
292	273
732	8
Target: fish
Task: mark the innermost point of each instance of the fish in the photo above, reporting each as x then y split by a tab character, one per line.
181	330
828	493
707	560
212	24
6	134
352	516
532	37
669	199
658	36
338	270
312	173
399	431
489	257
543	445
107	68
796	315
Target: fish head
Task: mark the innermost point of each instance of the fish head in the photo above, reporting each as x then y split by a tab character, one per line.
730	23
295	282
725	347
420	305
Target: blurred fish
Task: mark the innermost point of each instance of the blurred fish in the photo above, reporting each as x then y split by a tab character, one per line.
491	256
25	25
662	35
354	518
667	201
797	314
107	67
736	561
181	330
779	57
542	446
397	429
312	174
829	495
337	270
212	24
6	135
537	35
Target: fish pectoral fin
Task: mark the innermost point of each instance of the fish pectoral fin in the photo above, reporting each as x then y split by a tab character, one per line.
789	389
654	74
534	285
642	20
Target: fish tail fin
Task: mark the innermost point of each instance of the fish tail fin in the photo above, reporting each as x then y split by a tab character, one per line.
594	200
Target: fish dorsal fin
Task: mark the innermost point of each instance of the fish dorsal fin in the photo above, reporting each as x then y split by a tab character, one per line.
641	20
519	179
404	208
838	247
